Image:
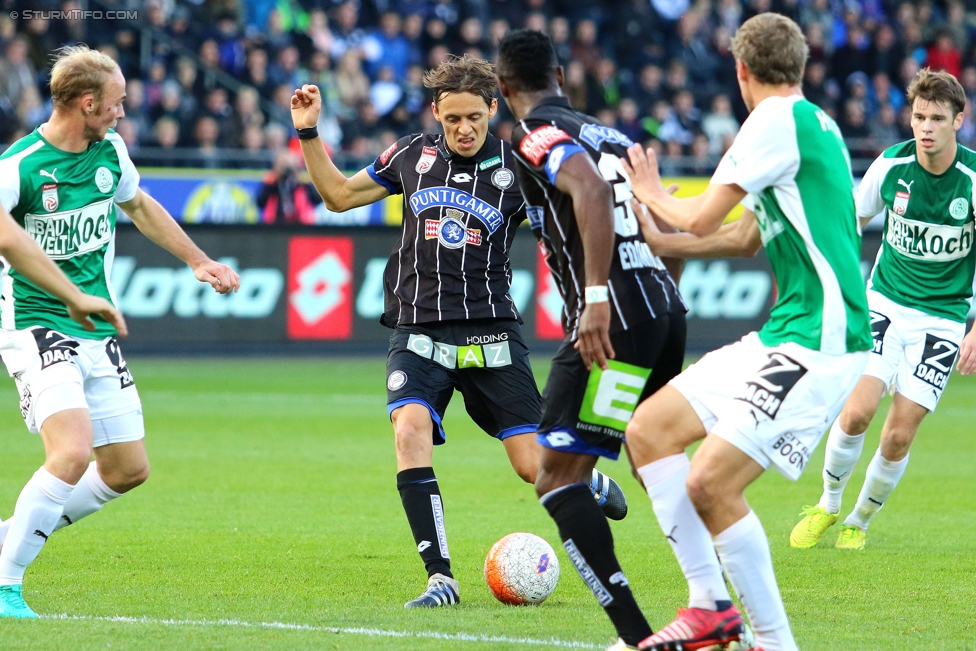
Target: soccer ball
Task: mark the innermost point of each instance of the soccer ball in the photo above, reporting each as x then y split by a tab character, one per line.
521	569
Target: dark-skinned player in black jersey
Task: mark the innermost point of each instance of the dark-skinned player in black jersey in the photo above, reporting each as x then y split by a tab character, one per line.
446	295
624	319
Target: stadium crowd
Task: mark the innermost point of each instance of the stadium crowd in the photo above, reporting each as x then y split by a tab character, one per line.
210	81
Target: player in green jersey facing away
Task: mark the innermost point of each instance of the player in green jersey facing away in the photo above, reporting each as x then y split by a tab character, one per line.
62	183
765	400
919	294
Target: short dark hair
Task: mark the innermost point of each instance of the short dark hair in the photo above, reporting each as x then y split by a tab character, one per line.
940	87
462	74
527	61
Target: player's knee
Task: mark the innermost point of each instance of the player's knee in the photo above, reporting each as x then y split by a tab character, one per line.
703	491
124	479
855	419
896	442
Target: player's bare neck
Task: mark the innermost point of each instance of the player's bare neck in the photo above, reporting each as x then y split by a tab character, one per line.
939	162
62	133
523	103
759	92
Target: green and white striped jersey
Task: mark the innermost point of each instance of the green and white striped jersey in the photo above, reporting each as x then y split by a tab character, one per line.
926	261
66	201
791	159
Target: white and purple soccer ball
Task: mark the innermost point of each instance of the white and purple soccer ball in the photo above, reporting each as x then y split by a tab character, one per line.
521	568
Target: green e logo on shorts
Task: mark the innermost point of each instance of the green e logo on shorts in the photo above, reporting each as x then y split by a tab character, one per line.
612	395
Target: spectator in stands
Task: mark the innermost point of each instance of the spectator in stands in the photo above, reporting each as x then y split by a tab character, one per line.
677	77
347	35
881	93
968	81
435	35
283	197
16	72
702	159
153	86
853	56
31	109
352	83
691	50
855	128
815	87
366	125
135	108
247	113
385	93
166	137
217	106
669	127
319	32
584	46
275	36
575	87
285	68
649	88
230	43
281	104
206	133
887	52
629	122
413	31
720	126
210	67
394	49
252	142
883	128
607	84
944	55
40	41
276	136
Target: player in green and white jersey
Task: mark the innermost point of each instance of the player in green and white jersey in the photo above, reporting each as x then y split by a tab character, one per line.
768	399
62	183
919	294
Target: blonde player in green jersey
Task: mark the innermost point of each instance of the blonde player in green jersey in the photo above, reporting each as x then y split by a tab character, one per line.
764	401
62	183
919	295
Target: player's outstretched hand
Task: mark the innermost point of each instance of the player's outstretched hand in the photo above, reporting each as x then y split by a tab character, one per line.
306	104
651	227
645	179
593	335
967	354
221	277
86	304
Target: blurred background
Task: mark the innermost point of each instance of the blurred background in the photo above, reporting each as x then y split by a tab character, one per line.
208	125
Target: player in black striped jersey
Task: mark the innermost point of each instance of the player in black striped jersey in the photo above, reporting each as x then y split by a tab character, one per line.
446	291
624	319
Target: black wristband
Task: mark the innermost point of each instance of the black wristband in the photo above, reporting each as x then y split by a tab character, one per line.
308	134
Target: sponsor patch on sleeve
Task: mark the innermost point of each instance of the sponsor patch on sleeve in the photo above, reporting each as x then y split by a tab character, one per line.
538	142
385	156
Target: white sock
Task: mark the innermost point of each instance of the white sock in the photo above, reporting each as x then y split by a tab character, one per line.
38	508
664	480
89	495
882	477
843	451
744	551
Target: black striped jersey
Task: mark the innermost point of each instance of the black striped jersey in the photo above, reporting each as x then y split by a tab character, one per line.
639	285
459	219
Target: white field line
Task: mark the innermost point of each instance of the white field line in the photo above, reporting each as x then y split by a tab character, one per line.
370	632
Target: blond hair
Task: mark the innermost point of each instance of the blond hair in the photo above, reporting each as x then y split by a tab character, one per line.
773	48
78	71
940	87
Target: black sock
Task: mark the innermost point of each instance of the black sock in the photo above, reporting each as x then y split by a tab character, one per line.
588	541
425	512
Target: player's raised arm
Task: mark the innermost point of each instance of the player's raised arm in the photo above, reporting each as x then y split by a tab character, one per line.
160	227
340	193
699	215
26	257
740	238
593	206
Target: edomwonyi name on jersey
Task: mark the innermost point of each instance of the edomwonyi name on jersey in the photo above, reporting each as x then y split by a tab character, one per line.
639	285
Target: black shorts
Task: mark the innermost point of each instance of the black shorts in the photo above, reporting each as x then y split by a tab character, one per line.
485	359
586	412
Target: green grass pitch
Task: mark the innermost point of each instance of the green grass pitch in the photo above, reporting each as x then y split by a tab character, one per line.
272	521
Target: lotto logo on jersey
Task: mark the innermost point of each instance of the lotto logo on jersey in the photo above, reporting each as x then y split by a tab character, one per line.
320	288
538	142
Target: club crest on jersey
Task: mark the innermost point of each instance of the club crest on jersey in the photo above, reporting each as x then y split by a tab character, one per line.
104	180
901	202
958	208
502	178
446	197
49	196
427	158
450	231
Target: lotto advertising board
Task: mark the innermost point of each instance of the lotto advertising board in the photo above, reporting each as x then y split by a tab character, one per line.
309	290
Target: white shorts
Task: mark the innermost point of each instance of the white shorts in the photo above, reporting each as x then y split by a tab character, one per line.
914	352
55	372
775	403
